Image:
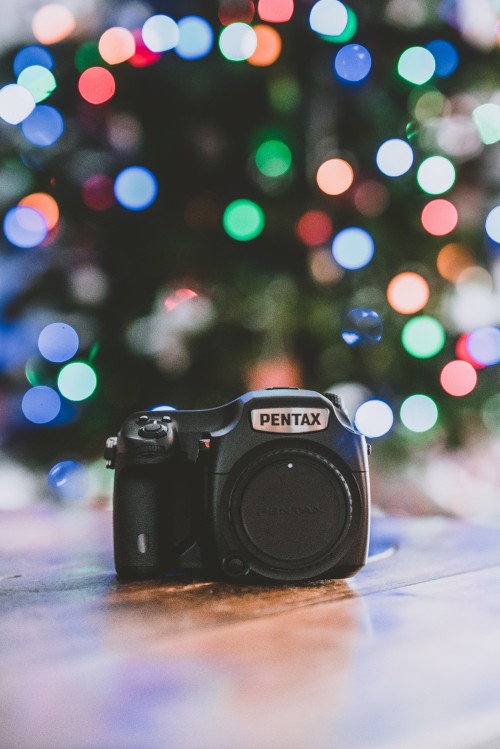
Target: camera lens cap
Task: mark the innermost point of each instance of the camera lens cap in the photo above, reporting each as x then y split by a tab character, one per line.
291	507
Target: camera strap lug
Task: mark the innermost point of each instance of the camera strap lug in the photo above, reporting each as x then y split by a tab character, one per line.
110	452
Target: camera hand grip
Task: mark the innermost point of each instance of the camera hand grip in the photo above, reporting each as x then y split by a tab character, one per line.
139	522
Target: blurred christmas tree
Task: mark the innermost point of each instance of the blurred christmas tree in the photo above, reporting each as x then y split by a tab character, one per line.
202	198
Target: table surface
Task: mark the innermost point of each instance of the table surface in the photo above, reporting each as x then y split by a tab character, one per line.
405	655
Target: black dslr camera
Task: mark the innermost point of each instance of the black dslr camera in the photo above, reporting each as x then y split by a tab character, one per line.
272	486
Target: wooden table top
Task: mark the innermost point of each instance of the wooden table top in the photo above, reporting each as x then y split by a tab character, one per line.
406	655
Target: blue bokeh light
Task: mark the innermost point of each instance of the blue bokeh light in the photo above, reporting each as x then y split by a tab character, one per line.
196	38
136	188
32	55
69	480
44	126
445	55
58	342
41	404
352	63
24	227
483	345
362	327
353	248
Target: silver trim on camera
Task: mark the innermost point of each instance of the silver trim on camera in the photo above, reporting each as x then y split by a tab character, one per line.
294	420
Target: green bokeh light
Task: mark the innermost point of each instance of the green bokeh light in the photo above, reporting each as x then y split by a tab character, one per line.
423	336
38	80
77	381
284	94
487	120
348	32
87	56
416	65
273	158
243	220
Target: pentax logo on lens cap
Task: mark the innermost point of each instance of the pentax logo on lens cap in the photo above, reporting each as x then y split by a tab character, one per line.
293	420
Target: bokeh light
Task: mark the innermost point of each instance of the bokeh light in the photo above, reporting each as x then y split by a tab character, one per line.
275	11
371	198
143	56
436	175
32	55
96	85
273	158
416	65
483	345
492	224
419	413
43	127
69	480
243	220
439	217
268	47
231	11
44	204
77	381
136	188
445	56
237	42
52	23
408	292
58	342
160	33
452	259
394	157
196	38
335	176
38	80
423	336
87	56
461	351
116	45
362	327
486	118
41	404
314	228
328	17
458	378
353	63
24	227
16	103
347	34
98	192
353	248
374	418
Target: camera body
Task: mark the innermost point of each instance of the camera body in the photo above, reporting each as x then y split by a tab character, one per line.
272	486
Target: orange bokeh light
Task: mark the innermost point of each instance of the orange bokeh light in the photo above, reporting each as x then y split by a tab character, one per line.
458	378
408	293
452	260
268	46
439	217
44	204
335	176
116	45
52	23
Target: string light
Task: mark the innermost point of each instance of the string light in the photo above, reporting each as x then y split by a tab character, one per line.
353	63
439	217
96	85
353	248
408	293
419	413
32	55
273	158
486	118
394	157
136	188
445	56
458	378
45	205
452	259
492	224
314	228
52	23
243	220
24	227
483	345
231	11
335	176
